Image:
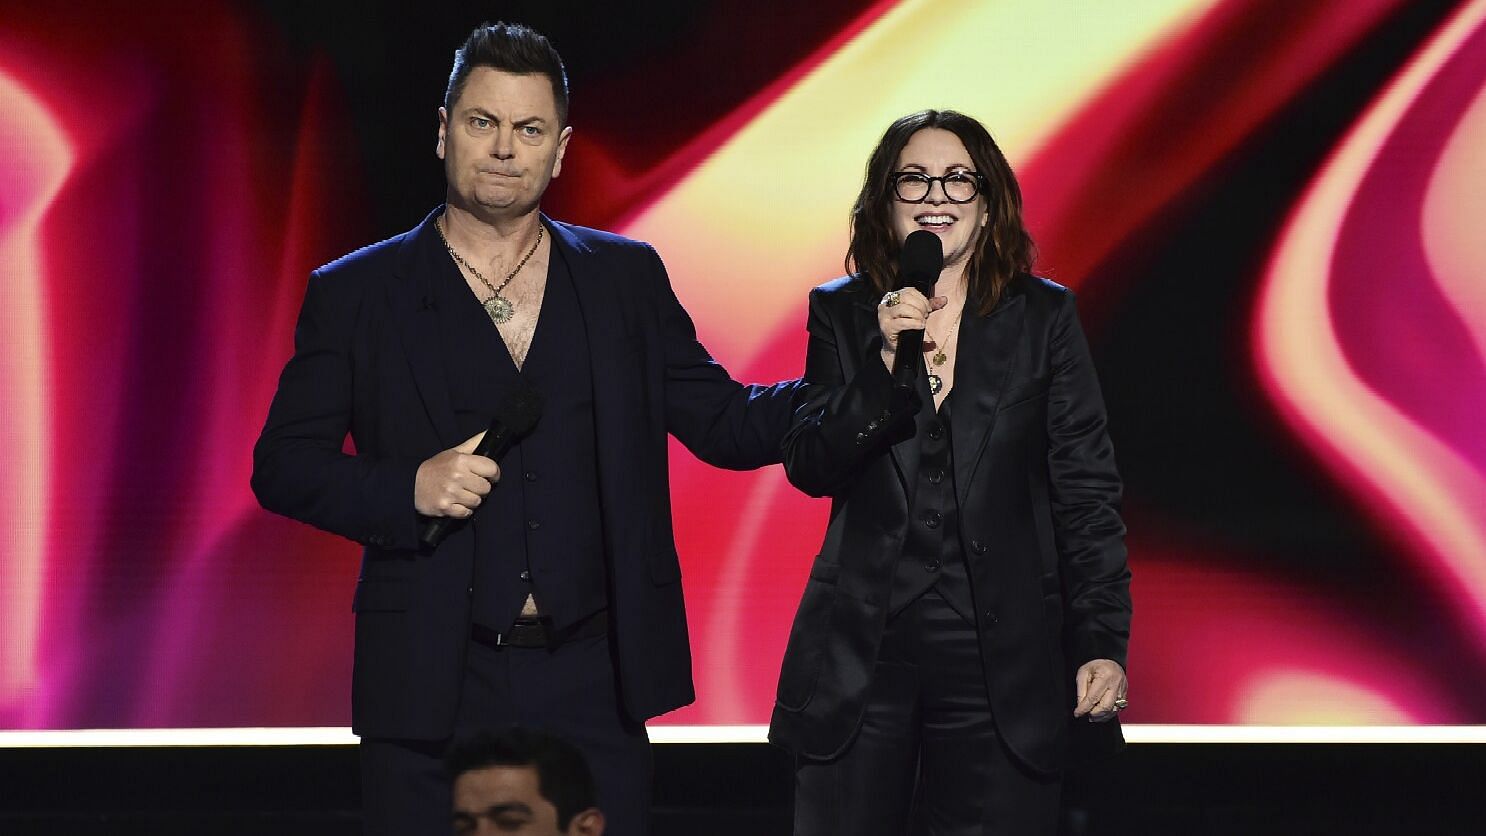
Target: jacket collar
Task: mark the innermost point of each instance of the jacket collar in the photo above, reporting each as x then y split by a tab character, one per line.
410	294
985	357
419	258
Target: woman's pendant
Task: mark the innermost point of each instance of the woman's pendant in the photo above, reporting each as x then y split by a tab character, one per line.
935	383
499	309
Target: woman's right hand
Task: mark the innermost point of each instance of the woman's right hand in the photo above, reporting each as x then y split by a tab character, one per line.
903	310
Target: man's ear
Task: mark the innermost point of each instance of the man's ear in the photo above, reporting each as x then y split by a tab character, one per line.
562	150
443	132
590	822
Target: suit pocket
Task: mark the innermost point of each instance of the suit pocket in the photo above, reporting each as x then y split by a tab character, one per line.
381	596
825	572
805	652
1034	391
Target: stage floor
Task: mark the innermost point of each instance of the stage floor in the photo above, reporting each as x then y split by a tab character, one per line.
728	789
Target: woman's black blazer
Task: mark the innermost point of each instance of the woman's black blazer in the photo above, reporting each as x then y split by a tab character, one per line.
1038	495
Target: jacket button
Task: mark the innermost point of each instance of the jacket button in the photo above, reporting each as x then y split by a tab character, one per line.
989	617
936	432
526	575
932	519
936	476
861	437
932	565
978	547
533	525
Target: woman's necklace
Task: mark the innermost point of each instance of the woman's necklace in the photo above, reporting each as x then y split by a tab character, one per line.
939	358
497	307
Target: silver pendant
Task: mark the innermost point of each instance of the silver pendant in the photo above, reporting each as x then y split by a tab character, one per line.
935	383
499	309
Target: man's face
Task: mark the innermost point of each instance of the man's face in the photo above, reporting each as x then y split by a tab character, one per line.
501	144
937	152
506	799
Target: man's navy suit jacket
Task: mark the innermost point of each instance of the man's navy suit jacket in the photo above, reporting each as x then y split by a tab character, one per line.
367	363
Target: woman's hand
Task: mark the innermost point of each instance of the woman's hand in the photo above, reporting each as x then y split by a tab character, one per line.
1101	690
903	310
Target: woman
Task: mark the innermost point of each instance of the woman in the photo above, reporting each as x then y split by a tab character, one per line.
970	605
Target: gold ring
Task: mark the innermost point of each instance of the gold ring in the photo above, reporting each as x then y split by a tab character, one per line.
890	298
1121	704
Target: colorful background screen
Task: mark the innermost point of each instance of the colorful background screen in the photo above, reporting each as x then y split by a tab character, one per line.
1271	210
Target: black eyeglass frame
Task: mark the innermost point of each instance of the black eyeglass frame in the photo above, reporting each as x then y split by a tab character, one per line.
975	177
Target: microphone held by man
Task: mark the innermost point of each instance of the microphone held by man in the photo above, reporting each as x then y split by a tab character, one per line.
464	486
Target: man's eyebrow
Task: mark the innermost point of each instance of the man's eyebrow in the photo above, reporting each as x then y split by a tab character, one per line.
476	110
508	807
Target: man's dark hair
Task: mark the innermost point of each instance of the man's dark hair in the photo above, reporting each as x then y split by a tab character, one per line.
1002	248
511	48
563	777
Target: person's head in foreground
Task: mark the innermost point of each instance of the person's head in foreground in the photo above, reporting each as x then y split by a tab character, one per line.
522	781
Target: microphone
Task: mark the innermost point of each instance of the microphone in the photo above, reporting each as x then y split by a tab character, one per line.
919	263
514	418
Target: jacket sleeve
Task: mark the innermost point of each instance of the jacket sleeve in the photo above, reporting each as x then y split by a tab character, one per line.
844	423
1085	492
300	469
721	421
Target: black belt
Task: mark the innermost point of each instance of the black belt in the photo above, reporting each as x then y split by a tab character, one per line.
534	632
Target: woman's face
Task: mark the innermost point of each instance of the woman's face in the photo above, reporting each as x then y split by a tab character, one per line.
938	153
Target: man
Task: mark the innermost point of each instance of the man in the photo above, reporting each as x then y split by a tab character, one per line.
522	781
555	600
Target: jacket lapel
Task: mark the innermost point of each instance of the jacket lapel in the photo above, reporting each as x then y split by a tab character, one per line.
987	353
869	342
600	307
618	397
410	295
610	354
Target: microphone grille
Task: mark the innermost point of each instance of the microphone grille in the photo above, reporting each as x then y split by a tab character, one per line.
921	258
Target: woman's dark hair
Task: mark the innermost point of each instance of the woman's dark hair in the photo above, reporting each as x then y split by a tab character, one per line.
1002	247
511	48
563	777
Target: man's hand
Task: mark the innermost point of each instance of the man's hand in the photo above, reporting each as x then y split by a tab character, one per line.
1101	690
454	482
